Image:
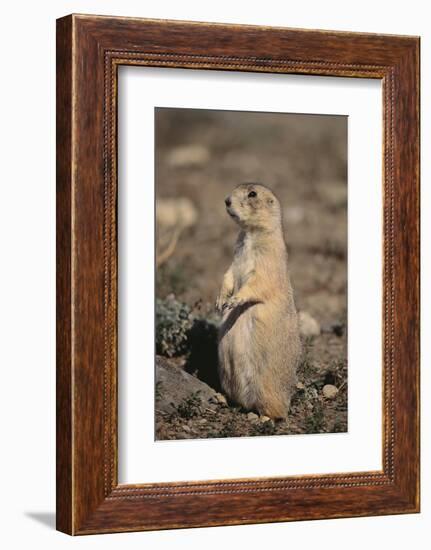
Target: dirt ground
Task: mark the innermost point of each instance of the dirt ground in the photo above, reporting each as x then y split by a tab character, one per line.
200	157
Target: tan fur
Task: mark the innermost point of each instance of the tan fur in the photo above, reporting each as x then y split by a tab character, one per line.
259	344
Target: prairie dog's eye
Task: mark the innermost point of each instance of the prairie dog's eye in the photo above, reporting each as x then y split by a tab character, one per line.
252	194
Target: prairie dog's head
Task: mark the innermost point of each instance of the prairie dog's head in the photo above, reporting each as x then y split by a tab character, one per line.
254	206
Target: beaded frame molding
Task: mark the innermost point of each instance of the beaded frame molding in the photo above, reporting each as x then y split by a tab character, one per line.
89	51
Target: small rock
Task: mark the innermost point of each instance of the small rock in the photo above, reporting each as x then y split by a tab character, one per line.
186	428
264	419
329	391
300	386
308	326
220	398
252	417
202	421
188	155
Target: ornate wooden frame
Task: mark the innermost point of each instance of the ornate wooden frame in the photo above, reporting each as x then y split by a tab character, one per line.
89	51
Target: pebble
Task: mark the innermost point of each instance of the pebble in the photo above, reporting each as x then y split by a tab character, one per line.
329	391
264	419
308	326
300	386
252	416
187	428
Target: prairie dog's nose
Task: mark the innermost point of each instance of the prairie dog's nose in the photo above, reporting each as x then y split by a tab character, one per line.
227	201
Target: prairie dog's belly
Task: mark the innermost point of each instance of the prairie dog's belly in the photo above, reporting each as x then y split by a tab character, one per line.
240	333
238	357
243	266
258	353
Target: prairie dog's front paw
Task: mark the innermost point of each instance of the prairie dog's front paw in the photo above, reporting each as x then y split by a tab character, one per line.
221	299
230	303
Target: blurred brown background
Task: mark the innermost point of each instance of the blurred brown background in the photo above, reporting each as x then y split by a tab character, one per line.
202	155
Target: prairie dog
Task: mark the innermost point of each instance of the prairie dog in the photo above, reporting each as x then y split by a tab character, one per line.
259	345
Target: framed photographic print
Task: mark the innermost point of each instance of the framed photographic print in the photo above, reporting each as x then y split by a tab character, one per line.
237	274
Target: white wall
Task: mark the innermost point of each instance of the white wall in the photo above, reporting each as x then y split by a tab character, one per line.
27	118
